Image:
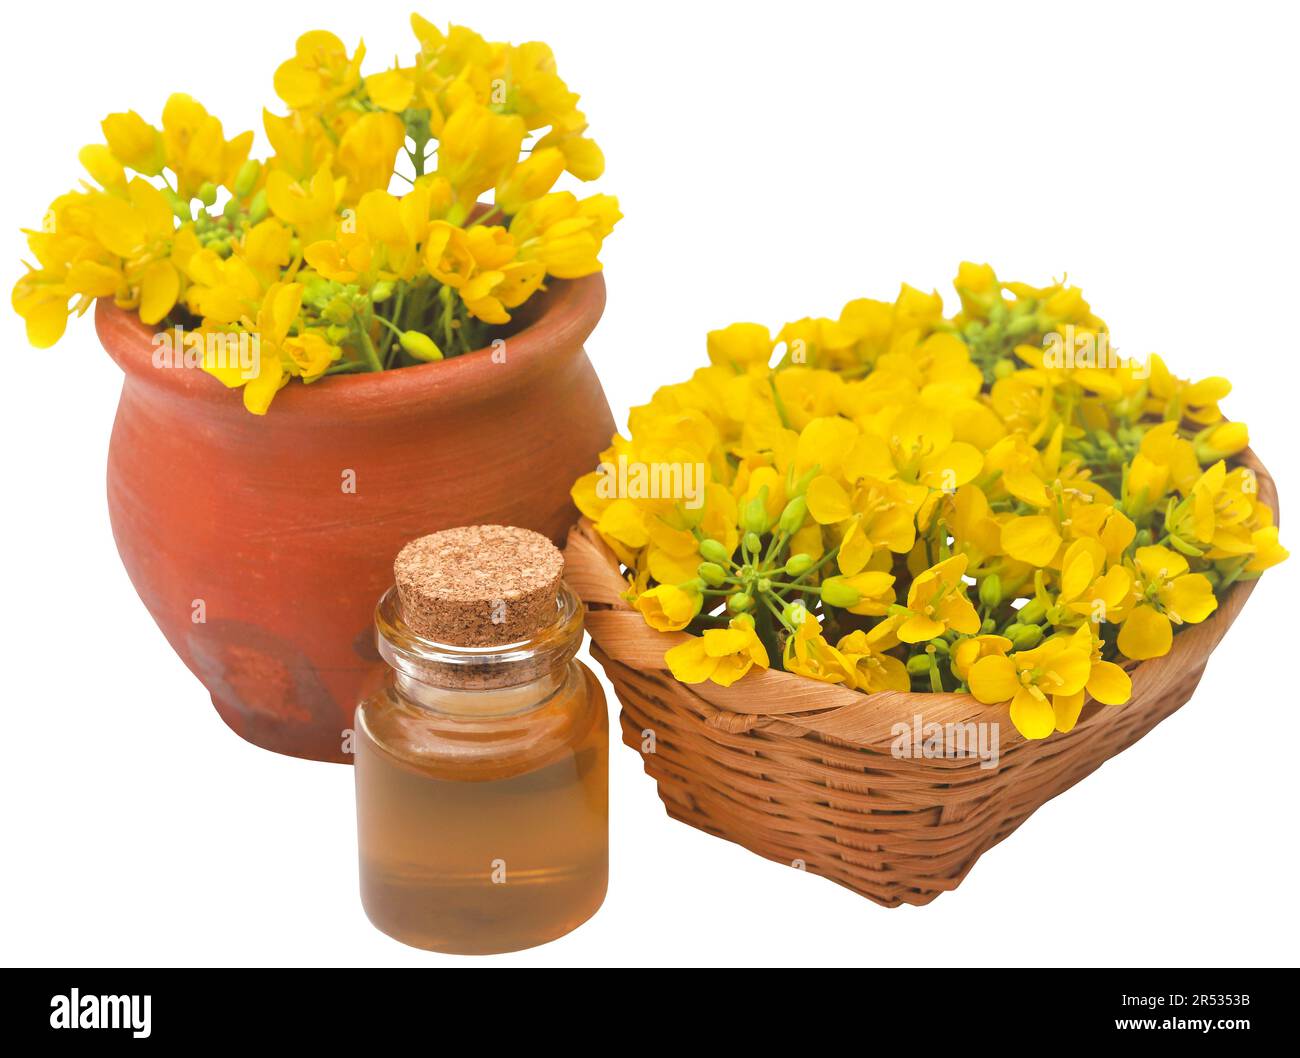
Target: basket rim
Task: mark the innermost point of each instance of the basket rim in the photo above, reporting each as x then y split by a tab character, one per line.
618	630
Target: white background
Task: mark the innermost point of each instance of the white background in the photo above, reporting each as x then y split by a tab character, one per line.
772	163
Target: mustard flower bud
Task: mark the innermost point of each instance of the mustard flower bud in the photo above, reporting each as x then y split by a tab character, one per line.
1032	612
918	664
1025	637
208	193
420	346
1021	324
792	517
836	591
247	177
755	518
712	574
338	310
258	209
991	591
797	565
752	543
740	602
794	613
713	551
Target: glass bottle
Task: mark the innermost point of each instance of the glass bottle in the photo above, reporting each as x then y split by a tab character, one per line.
482	787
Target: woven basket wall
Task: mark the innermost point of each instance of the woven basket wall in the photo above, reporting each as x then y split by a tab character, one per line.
802	772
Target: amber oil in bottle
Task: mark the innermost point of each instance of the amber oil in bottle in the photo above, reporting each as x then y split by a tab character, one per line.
481	766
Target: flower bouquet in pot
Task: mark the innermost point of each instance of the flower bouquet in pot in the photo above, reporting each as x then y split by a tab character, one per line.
870	606
374	332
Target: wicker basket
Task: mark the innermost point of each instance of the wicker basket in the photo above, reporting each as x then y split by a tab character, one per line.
802	772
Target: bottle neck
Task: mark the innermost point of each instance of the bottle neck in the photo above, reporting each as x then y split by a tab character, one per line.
480	681
482	702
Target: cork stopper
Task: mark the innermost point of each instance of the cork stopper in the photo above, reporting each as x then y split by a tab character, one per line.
479	585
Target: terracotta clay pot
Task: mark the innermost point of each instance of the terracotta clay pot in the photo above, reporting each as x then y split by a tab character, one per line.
245	543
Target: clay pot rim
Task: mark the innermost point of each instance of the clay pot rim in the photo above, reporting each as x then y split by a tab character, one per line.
567	313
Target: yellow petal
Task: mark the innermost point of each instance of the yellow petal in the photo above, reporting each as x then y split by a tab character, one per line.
390	90
1190	598
160	285
994	679
1032	715
1077	569
1155	561
731	668
1068	671
259	392
825	441
959	615
1066	708
1109	683
689	663
869	458
1146	633
828	502
953	467
1031	539
919	629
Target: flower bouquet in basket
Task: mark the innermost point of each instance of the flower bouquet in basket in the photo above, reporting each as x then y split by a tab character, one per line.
987	517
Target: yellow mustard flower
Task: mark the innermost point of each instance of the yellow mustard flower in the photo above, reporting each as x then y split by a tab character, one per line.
565	234
319	73
1045	685
937	603
808	654
971	649
722	655
872	668
1166	593
874	514
668	607
196	149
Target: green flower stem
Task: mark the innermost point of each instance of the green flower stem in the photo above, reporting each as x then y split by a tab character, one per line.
368	349
1230	578
936	679
444	295
391	326
767	601
778	403
774	546
389	350
812	589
